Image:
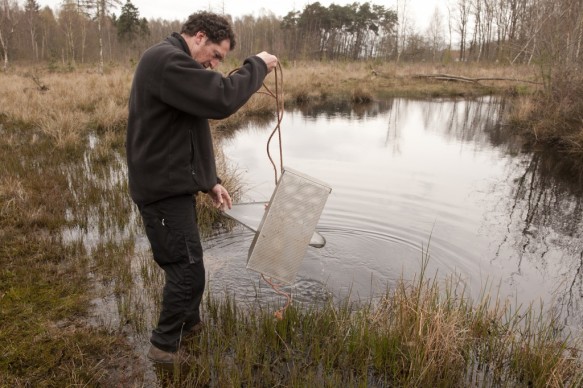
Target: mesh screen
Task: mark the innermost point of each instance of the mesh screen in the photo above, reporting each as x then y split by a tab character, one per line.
287	226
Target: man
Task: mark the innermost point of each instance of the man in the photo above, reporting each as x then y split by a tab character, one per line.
170	157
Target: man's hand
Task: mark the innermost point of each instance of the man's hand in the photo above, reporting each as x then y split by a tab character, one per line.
220	197
270	60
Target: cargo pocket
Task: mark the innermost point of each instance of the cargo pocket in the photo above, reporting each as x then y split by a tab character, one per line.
170	245
193	249
163	240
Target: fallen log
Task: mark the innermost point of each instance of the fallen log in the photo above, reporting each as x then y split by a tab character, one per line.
457	78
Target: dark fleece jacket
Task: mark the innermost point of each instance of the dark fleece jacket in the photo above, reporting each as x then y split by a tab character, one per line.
169	144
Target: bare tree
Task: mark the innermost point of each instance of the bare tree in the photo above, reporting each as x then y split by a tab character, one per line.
463	7
435	33
502	16
475	43
31	11
488	27
403	28
99	9
8	21
450	25
69	16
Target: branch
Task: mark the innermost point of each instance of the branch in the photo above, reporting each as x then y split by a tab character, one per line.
41	86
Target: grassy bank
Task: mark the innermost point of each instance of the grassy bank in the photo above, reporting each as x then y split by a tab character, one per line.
553	118
68	239
356	81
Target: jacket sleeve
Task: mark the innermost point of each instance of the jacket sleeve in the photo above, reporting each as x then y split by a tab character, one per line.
189	87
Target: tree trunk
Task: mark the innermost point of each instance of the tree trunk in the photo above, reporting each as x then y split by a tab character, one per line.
99	28
83	40
33	45
4	38
5	50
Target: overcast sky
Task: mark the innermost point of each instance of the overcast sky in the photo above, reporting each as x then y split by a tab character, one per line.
420	11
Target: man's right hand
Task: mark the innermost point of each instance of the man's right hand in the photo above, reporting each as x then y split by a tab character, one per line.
270	60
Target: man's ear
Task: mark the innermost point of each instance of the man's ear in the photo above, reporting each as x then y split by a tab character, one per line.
199	37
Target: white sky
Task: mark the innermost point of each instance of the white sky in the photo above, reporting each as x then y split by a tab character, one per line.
419	11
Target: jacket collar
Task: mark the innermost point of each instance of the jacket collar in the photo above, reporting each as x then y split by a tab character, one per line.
177	40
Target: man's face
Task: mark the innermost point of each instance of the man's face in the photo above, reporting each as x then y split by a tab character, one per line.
210	54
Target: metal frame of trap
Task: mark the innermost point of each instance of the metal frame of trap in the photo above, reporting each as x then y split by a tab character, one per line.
283	236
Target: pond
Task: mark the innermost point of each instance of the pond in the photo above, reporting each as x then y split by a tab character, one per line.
444	177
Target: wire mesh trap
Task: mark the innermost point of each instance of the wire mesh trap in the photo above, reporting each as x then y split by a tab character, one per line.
287	226
250	214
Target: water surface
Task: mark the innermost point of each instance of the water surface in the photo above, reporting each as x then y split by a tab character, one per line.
407	177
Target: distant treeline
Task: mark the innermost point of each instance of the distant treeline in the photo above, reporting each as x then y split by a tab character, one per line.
509	31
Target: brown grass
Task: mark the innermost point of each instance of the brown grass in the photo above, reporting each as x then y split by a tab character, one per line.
316	81
80	100
74	103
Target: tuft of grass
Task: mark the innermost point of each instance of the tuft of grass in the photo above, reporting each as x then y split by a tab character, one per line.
65	128
73	104
209	218
314	82
100	102
361	96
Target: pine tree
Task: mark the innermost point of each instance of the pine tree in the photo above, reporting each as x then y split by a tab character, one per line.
129	25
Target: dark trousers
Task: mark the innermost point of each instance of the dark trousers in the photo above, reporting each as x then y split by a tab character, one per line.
173	234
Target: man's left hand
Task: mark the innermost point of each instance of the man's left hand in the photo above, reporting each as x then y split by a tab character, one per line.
220	196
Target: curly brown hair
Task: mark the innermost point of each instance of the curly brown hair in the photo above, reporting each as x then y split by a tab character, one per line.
216	27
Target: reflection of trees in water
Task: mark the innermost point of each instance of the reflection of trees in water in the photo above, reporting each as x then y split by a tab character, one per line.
545	222
465	121
544	208
394	130
477	122
345	109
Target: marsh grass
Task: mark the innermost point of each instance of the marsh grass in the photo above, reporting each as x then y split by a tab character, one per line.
69	236
44	294
420	333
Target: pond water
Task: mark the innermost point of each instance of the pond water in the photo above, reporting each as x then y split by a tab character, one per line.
408	177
